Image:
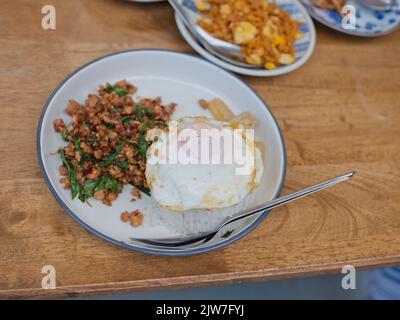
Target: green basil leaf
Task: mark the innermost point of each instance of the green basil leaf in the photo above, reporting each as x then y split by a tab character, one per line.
142	146
75	187
108	183
138	111
126	119
120	91
109	88
111	158
64	135
149	112
109	125
88	187
144	190
124	165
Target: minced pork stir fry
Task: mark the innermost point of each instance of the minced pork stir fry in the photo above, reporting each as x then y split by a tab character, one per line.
107	142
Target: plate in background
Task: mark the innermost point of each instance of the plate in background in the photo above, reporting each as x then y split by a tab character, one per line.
157	73
369	22
304	46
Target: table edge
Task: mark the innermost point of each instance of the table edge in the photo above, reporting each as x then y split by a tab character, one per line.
137	286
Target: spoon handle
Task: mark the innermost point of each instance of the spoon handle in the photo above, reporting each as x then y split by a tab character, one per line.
184	16
288	198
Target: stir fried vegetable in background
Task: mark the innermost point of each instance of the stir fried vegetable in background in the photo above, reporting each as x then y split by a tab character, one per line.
106	142
265	32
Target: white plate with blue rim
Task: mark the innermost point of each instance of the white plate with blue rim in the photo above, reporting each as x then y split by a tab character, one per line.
304	46
176	77
368	22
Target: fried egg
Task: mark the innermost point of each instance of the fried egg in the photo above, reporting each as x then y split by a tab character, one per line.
185	172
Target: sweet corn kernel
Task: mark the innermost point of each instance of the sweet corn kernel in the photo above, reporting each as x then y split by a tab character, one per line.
279	40
202	5
270	66
225	9
244	32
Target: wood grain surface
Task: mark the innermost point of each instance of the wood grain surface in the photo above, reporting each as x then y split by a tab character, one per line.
339	112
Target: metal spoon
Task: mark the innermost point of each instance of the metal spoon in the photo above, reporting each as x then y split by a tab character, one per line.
222	49
201	239
378	4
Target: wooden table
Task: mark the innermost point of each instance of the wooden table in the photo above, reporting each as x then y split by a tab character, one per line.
339	112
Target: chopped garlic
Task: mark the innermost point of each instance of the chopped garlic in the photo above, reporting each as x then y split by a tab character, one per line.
285	58
254	59
244	32
270	30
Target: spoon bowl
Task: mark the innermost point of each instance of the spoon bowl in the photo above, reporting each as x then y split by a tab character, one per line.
222	49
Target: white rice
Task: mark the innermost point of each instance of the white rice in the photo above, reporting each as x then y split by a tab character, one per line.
196	221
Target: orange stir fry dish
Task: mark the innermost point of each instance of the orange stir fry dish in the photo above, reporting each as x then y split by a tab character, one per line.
265	32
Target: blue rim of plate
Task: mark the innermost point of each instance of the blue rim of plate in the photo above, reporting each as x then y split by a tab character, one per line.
313	11
122	244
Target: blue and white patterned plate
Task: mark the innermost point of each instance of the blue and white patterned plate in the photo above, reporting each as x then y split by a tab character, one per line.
304	46
368	22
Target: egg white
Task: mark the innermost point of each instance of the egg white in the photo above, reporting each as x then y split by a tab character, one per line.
181	187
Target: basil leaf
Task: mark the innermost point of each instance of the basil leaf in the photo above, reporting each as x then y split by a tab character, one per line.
87	156
126	119
64	135
109	125
142	146
111	158
120	91
109	88
74	184
149	112
77	144
82	196
84	155
108	183
88	187
123	165
160	123
144	190
138	111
